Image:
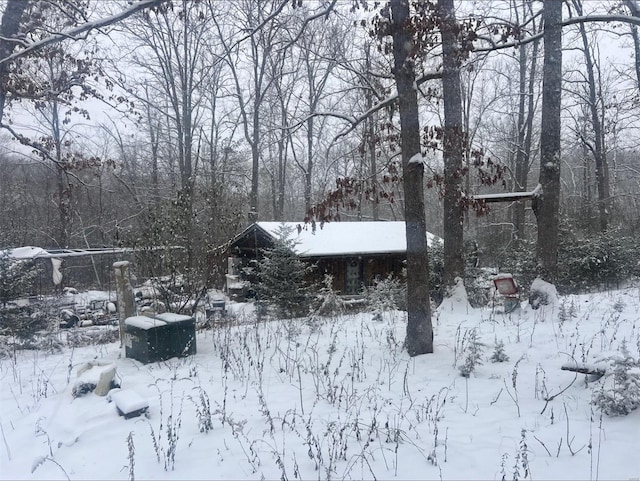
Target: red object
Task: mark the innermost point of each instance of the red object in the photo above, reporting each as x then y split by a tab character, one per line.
506	285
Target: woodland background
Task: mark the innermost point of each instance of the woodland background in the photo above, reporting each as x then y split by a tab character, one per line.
185	120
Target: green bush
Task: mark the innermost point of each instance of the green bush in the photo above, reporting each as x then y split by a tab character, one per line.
602	260
619	391
283	279
387	294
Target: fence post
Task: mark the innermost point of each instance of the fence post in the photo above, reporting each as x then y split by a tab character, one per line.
124	295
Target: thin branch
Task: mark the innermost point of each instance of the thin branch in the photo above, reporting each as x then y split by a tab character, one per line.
571	21
323	13
355	121
74	33
40	149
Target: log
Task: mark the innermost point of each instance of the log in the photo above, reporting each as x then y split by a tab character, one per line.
584	369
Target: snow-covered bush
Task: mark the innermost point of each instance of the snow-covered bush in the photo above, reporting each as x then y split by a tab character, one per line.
600	259
456	299
472	351
17	278
283	279
542	294
566	312
386	294
498	353
619	393
479	285
477	279
328	302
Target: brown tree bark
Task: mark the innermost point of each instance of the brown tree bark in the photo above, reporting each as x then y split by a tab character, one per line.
546	202
419	329
453	145
9	27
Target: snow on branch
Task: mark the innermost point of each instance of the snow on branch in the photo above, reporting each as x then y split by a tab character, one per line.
571	21
355	121
76	32
509	196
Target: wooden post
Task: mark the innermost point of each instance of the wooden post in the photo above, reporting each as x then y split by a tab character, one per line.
124	295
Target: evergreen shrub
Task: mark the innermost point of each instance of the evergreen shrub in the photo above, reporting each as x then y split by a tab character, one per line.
284	283
619	393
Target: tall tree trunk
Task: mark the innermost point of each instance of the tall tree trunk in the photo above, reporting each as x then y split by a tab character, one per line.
525	125
255	167
284	139
62	176
282	176
546	202
308	171
373	172
11	21
599	153
636	51
453	145
526	148
520	176
419	329
370	143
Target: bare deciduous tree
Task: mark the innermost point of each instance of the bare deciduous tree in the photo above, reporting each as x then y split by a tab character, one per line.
546	203
419	328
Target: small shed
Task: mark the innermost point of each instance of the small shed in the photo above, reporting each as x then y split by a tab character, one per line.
354	253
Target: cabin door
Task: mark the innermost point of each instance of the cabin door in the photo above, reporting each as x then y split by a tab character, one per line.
352	277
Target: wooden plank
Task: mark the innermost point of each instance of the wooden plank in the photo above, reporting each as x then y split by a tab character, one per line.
505	197
509	196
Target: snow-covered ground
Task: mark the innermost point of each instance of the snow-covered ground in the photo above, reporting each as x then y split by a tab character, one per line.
337	398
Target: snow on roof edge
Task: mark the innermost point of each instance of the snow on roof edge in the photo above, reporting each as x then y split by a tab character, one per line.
345	238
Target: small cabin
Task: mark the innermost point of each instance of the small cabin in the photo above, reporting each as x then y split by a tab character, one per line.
355	254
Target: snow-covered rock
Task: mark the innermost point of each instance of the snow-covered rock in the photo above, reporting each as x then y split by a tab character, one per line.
543	293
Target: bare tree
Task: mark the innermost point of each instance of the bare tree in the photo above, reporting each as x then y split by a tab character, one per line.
597	143
527	61
260	20
14	45
169	50
419	328
546	203
453	144
320	50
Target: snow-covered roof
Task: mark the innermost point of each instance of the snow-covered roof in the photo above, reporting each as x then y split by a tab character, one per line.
30	252
144	322
27	252
345	238
170	317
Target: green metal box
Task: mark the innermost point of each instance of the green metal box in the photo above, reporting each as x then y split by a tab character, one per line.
181	334
146	339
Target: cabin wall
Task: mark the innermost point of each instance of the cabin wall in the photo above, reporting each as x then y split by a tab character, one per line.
350	272
368	268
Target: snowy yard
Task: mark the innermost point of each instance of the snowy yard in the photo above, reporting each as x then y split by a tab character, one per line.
338	398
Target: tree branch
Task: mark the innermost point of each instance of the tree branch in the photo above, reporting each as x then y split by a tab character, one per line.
74	33
571	21
355	121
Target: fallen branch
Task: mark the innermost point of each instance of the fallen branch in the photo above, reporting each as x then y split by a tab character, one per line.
584	369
